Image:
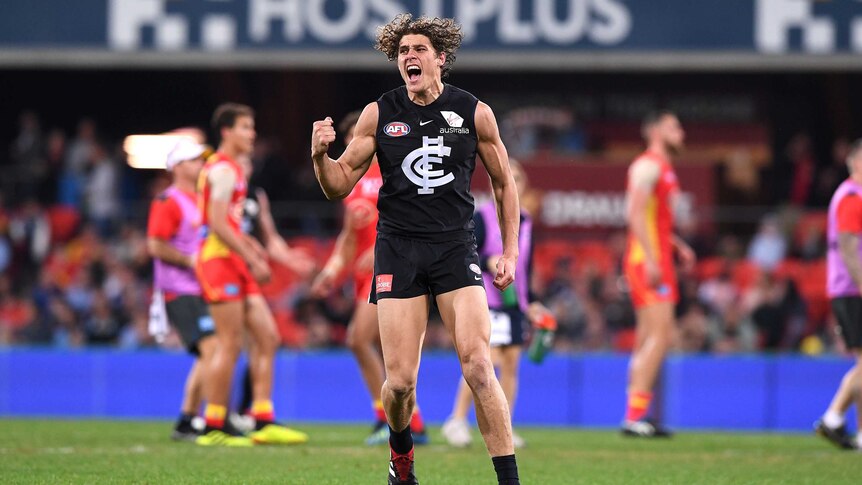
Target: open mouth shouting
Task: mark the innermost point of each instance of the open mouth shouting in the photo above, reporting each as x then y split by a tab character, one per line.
414	73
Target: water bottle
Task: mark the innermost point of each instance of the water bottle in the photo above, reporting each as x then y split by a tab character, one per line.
543	338
510	296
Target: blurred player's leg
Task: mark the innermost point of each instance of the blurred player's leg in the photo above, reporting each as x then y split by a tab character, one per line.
362	337
402	329
508	360
184	430
654	336
832	426
227	317
456	429
464	311
262	330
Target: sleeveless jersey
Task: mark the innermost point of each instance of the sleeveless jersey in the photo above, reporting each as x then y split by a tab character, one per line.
426	155
363	201
211	246
659	216
839	283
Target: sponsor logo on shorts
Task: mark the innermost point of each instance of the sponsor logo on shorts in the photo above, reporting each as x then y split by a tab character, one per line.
475	268
231	289
396	129
383	283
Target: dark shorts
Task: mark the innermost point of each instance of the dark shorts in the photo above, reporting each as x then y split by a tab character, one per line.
507	327
405	268
848	312
190	316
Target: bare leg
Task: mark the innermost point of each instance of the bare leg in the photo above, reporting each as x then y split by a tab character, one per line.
508	360
655	333
228	317
192	395
463	400
465	313
846	394
265	340
855	391
402	330
363	334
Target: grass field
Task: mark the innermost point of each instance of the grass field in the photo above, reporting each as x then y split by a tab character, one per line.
100	452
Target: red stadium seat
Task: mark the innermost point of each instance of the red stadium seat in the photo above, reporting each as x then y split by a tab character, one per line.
64	222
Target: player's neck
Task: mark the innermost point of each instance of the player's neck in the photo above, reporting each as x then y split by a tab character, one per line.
856	177
659	149
230	150
427	96
184	185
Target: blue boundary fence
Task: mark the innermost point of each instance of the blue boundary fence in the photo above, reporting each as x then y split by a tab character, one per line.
766	393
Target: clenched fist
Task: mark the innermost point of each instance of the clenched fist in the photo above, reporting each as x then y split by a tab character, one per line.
322	134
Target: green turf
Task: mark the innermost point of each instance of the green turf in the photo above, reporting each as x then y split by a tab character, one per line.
98	452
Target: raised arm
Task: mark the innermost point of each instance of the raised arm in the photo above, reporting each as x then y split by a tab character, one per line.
337	177
496	161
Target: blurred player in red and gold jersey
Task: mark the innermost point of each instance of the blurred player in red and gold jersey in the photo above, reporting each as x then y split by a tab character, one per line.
230	265
354	252
649	263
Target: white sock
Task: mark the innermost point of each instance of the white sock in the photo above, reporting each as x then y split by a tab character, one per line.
833	420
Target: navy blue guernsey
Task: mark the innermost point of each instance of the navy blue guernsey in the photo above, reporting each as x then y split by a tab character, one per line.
427	155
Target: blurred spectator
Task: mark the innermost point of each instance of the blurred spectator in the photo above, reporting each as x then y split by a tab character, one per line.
735	333
102	327
28	157
831	176
30	235
78	159
55	153
15	312
777	311
799	163
768	248
531	129
693	329
5	246
103	205
719	293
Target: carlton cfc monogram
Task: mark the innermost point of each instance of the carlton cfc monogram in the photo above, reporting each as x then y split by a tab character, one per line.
417	166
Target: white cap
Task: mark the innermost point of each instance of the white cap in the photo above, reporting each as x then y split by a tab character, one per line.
184	149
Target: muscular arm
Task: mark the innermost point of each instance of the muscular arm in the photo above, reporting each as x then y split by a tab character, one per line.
160	249
337	177
848	245
642	179
222	181
496	160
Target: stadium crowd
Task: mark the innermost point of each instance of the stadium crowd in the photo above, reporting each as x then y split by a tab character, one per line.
74	269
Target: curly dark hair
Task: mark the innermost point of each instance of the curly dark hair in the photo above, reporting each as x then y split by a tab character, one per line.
445	36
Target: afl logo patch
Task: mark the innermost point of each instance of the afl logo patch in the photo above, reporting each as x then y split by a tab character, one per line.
475	268
396	129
